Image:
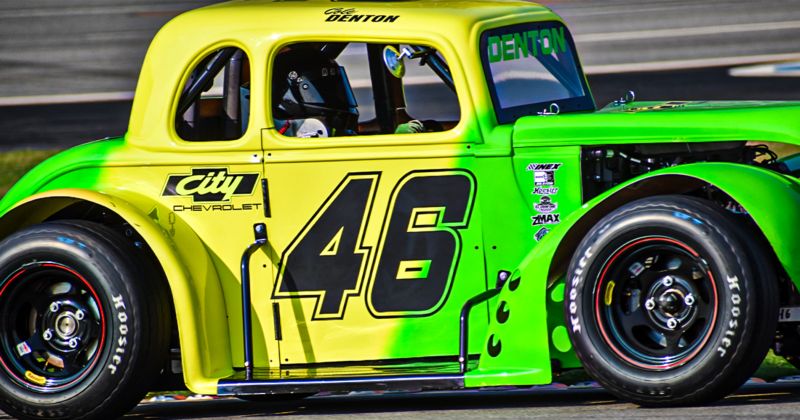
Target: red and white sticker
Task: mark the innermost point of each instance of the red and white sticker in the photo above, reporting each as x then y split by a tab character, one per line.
23	349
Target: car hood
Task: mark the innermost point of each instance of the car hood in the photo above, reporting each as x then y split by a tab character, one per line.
664	122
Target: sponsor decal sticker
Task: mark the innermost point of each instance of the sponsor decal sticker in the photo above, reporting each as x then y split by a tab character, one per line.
341	14
206	185
540	233
544	177
37	379
546	219
23	348
545	205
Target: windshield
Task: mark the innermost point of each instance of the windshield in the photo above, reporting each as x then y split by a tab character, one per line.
530	66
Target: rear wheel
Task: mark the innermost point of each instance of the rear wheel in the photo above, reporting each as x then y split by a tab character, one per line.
668	303
83	329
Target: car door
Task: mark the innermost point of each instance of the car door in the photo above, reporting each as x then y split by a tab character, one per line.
376	236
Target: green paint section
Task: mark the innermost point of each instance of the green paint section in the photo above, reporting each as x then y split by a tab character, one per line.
413	269
524	338
557	293
518	45
774	204
644	123
560	344
561	339
87	158
516	350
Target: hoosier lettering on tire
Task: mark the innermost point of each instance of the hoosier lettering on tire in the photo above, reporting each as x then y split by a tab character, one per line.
665	304
82	326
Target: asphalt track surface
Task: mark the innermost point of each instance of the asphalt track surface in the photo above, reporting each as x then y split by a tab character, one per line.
764	401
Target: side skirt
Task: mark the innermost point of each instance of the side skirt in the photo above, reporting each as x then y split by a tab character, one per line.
232	387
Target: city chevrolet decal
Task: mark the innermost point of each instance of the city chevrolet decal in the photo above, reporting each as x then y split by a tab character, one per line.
212	189
340	14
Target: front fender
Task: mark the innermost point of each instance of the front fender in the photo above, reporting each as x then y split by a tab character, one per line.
521	344
195	287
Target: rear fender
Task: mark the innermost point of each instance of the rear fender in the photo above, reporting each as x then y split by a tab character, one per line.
195	288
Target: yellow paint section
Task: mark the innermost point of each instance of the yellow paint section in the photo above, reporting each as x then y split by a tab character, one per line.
38	380
609	296
333	246
413	270
424	220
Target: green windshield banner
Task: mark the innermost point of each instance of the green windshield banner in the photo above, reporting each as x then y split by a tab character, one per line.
523	44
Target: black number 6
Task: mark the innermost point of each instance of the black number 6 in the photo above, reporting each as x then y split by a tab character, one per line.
420	243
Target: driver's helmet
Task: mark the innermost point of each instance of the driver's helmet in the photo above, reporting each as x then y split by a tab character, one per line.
308	86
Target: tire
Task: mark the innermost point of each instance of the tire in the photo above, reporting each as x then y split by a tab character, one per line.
629	316
84	324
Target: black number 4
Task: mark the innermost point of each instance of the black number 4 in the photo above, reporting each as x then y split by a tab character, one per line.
418	247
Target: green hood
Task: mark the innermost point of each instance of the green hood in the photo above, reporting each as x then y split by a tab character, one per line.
664	122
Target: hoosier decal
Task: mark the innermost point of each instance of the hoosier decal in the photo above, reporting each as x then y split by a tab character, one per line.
210	184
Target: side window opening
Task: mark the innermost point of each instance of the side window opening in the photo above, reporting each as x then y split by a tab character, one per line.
344	89
214	102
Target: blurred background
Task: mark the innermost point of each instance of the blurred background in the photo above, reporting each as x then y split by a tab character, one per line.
68	68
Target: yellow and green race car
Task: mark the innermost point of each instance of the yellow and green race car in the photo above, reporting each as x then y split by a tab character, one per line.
345	195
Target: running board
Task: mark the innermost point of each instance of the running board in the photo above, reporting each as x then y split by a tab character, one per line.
234	387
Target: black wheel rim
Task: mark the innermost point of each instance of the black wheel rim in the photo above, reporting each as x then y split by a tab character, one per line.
53	326
656	303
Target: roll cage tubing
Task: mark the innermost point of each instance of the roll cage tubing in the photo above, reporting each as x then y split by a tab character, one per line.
221	58
430	57
205	78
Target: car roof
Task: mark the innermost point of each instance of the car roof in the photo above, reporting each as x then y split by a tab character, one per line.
253	25
403	15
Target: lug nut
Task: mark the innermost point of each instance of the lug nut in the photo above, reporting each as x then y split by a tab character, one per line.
73	343
54	307
672	323
79	315
667	281
650	304
689	299
47	335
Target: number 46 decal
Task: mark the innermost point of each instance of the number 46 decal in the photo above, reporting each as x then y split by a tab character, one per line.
417	253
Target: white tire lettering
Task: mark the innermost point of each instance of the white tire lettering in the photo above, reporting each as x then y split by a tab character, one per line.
122	341
577	279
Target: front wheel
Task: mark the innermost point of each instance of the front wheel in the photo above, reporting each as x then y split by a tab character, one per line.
667	304
82	325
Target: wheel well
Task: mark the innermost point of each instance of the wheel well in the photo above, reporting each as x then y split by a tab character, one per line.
658	185
84	210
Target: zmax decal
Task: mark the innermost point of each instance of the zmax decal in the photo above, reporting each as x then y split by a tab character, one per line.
210	185
417	254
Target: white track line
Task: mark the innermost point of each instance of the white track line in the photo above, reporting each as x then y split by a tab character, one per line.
66	99
684	32
689	64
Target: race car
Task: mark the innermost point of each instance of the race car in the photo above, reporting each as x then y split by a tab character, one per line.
339	196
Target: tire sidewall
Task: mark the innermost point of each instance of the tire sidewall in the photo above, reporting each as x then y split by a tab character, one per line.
730	333
104	269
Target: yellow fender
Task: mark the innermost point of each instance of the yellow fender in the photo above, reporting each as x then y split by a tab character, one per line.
195	287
